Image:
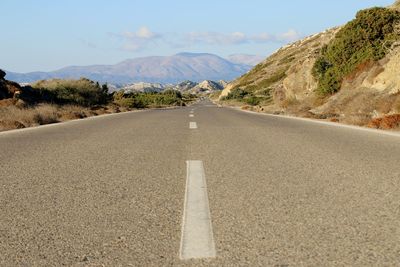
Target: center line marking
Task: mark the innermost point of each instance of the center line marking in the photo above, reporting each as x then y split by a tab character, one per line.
197	240
191	115
192	125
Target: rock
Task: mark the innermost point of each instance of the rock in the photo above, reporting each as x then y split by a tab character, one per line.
2	74
206	87
7	88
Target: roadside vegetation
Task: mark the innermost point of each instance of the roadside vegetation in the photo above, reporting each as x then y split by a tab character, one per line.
151	100
82	92
57	100
250	98
367	38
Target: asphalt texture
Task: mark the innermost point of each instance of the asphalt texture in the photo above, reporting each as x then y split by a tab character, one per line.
109	191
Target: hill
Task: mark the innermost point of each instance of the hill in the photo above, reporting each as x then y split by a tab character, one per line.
170	69
346	74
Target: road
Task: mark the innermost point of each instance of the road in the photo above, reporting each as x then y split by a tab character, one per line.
270	191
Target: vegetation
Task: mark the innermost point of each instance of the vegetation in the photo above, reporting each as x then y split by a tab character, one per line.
13	116
273	79
249	98
366	38
253	100
236	94
387	122
144	100
247	78
51	101
81	92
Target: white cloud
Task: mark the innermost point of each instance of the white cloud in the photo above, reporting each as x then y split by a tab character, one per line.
137	40
143	38
216	38
141	33
262	37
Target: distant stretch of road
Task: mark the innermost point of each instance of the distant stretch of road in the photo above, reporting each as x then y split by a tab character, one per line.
198	186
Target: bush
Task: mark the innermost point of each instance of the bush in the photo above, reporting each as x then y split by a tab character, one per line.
82	92
273	79
366	38
236	93
253	100
144	100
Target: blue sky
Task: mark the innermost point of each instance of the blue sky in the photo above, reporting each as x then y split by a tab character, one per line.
47	34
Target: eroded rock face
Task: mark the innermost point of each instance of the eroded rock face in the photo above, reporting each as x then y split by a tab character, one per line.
388	79
299	81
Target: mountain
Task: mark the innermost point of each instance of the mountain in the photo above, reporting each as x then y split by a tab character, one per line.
144	87
184	86
347	74
169	69
245	59
206	87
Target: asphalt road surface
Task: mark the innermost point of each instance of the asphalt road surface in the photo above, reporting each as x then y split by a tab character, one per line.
160	187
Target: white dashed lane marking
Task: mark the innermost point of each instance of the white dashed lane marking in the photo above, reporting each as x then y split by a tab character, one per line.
197	240
192	125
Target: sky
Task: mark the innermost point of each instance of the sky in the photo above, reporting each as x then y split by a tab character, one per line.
45	35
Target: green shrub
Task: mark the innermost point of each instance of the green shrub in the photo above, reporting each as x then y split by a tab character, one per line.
144	100
236	93
173	93
253	100
122	101
82	92
265	92
272	79
366	38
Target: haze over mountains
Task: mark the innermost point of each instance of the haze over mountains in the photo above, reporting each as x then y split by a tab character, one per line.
161	69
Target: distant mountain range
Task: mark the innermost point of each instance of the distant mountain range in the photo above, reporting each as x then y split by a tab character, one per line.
161	69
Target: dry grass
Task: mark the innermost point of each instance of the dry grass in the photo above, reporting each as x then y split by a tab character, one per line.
289	101
356	119
386	123
15	117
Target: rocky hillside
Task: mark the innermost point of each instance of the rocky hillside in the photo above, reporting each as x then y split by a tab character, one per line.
207	87
347	74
